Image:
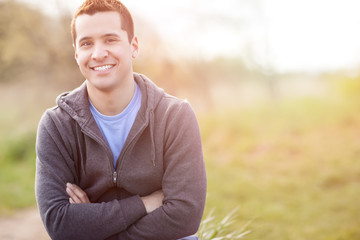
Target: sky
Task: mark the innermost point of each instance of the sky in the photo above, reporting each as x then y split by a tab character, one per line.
280	35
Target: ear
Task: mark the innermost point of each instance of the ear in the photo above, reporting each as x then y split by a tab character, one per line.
76	56
134	47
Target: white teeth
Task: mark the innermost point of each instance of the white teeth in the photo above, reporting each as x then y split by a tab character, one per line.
102	68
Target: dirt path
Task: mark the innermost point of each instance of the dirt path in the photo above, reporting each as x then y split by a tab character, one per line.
23	225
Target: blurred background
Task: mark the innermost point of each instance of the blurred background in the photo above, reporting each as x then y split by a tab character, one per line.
275	85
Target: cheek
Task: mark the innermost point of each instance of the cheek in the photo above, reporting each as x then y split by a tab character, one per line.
81	60
120	52
117	53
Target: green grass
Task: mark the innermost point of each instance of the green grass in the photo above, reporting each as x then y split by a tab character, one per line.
214	228
17	172
292	168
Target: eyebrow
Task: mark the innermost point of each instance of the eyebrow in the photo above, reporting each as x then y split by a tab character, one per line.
102	36
111	35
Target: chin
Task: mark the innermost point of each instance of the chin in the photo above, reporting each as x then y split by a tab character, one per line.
102	85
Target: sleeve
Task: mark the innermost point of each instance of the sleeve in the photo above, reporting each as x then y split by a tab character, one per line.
184	183
62	220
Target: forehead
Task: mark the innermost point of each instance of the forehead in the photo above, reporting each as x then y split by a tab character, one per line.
98	24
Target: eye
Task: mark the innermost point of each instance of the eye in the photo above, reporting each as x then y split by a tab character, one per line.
85	44
112	40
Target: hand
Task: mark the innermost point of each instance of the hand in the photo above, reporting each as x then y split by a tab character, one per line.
76	194
153	201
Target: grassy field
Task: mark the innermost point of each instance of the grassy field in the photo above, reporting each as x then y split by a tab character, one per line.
291	168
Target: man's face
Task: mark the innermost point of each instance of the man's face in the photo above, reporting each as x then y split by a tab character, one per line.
102	50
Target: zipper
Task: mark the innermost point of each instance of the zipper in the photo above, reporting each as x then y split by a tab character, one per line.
115	177
114	174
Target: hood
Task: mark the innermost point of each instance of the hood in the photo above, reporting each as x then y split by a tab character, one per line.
76	104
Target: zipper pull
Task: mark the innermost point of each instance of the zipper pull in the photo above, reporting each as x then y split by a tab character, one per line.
115	177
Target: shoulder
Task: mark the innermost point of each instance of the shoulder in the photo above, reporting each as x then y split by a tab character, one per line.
70	106
175	104
53	115
55	121
176	112
163	104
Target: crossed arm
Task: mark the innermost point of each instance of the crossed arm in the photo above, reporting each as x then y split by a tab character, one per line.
151	202
171	213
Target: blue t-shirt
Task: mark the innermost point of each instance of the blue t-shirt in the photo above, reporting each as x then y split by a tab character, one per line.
116	128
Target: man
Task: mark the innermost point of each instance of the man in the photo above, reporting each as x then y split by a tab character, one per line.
117	158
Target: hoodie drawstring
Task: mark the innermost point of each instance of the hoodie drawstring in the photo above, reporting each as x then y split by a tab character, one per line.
152	137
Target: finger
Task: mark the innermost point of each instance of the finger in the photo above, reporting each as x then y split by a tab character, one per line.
71	201
80	194
72	195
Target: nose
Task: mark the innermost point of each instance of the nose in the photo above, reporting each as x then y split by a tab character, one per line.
99	52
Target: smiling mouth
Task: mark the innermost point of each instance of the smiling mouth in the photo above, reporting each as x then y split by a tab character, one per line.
102	68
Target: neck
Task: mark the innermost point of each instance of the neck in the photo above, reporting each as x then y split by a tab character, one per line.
114	101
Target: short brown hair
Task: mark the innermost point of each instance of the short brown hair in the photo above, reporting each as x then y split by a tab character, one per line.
91	7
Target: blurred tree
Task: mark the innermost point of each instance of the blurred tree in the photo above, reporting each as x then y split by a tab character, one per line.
37	47
20	30
34	46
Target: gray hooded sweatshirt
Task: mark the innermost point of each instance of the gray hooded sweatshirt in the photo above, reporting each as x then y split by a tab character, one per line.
162	151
